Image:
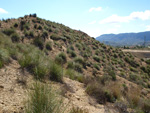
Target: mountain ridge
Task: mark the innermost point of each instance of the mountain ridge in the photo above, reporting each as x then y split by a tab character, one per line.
125	39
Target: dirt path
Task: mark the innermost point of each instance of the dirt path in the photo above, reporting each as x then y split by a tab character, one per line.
79	98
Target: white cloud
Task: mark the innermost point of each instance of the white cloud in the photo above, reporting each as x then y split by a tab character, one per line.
115	19
93	22
134	15
148	28
95	9
2	11
141	15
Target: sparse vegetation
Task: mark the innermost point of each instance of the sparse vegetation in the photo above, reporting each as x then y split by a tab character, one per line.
50	50
56	72
15	37
43	99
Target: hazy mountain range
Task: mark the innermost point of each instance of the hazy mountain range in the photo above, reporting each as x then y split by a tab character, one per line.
127	39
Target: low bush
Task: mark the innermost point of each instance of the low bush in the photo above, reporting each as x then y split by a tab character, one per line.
26	26
71	73
96	58
40	27
43	99
40	71
4	57
61	58
78	67
55	37
70	65
16	25
131	62
49	46
148	61
39	43
96	90
71	52
56	73
112	74
133	77
96	66
8	31
15	37
79	60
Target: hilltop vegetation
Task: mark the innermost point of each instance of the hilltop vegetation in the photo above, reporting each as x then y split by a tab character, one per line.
52	51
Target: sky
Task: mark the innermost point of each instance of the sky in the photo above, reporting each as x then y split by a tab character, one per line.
94	17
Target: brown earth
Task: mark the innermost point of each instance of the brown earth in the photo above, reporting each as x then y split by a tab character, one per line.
14	85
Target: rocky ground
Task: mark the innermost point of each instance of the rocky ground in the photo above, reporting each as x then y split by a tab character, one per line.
14	85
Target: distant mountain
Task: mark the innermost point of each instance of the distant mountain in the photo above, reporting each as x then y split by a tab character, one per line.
127	39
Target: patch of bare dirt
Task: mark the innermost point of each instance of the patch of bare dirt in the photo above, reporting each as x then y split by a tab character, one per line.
12	88
77	97
14	85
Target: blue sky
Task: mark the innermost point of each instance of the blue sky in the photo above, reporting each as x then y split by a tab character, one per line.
95	17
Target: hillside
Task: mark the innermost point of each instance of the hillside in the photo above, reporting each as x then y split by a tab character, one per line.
125	39
91	76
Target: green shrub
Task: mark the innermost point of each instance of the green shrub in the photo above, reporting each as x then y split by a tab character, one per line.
45	34
71	47
133	69
146	106
31	34
112	74
148	61
133	76
26	62
61	58
79	60
96	91
15	37
56	73
35	26
1	64
96	66
40	27
15	25
26	26
40	71
55	37
122	74
4	57
49	46
78	45
8	31
39	43
78	67
73	54
43	99
80	78
71	74
71	65
96	58
131	62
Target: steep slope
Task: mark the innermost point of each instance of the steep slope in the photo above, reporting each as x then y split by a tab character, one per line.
52	51
126	39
